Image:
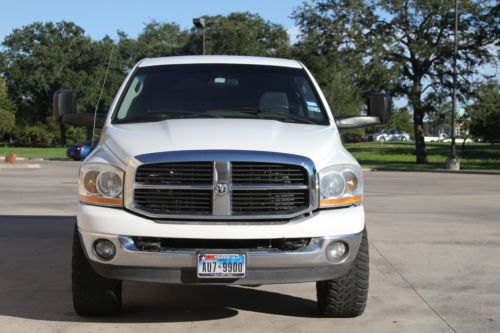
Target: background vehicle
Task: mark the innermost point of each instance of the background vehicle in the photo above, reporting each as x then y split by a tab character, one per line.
221	170
389	135
459	139
79	151
440	137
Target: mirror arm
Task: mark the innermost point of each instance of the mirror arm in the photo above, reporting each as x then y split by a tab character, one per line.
357	122
84	119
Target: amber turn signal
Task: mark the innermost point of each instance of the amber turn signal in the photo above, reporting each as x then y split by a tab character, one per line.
341	201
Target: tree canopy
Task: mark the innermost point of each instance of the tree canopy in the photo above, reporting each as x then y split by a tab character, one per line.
485	112
7	116
404	45
353	47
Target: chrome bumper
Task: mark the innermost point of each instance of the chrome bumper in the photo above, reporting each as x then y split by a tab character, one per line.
263	266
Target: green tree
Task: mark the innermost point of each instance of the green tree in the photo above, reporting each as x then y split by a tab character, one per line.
7	116
156	40
485	112
410	38
43	57
240	34
401	119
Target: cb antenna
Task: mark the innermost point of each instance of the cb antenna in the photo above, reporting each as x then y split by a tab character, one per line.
102	90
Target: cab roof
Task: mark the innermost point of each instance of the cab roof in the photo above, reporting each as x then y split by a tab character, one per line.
219	59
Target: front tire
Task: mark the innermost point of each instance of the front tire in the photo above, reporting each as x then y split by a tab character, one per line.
346	296
93	295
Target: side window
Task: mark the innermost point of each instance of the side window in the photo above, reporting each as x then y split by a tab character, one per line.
132	94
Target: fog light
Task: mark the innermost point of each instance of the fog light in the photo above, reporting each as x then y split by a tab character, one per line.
105	249
336	250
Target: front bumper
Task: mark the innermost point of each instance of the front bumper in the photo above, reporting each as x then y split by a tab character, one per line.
178	265
263	266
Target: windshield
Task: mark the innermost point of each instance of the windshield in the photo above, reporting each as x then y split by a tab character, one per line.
220	91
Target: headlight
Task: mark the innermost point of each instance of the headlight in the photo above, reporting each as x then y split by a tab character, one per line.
340	185
101	184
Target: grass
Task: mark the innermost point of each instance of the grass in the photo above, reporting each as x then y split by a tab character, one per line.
477	156
34	152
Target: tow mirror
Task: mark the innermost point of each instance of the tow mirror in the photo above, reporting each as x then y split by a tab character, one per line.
379	112
63	102
64	110
379	105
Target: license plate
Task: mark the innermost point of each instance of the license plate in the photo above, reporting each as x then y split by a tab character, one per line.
221	265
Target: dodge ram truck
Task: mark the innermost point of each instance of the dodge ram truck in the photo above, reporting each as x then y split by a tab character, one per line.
220	170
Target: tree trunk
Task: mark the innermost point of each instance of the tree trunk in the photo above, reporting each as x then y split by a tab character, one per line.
418	127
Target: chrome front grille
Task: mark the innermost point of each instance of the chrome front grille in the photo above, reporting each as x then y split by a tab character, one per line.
223	185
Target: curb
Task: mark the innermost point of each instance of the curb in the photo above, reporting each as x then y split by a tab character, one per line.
19	166
24	158
463	172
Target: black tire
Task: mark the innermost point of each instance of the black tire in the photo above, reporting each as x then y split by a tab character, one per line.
346	296
93	295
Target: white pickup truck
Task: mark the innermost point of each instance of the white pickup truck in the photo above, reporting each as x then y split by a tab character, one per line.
220	170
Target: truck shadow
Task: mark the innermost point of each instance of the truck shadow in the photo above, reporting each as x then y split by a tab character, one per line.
35	283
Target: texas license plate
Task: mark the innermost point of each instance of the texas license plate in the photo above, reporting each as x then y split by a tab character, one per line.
221	265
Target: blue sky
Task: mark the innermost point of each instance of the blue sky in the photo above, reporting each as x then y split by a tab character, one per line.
99	18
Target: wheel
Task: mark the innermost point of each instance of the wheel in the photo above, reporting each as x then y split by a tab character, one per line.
382	139
403	138
93	295
346	296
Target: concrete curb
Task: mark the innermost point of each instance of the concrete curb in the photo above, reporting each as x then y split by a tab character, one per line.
464	172
19	166
2	158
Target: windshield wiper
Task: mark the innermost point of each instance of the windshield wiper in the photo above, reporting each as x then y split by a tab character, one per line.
261	113
167	114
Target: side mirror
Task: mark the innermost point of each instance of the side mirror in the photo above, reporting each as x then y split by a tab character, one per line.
379	105
379	112
64	110
63	102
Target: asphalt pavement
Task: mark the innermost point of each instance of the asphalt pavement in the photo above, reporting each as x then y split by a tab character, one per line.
434	251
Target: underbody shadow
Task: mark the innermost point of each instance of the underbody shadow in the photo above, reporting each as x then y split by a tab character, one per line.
36	284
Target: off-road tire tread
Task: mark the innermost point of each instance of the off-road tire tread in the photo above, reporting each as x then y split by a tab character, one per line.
93	295
346	296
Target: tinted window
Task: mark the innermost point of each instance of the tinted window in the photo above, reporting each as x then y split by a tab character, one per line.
226	91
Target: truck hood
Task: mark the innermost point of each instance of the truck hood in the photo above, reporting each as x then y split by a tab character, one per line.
319	143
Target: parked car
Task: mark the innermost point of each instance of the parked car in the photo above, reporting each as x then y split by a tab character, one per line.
389	135
459	139
221	170
351	138
80	151
484	138
439	138
480	138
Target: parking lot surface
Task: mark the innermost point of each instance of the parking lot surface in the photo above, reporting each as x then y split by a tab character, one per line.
434	251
